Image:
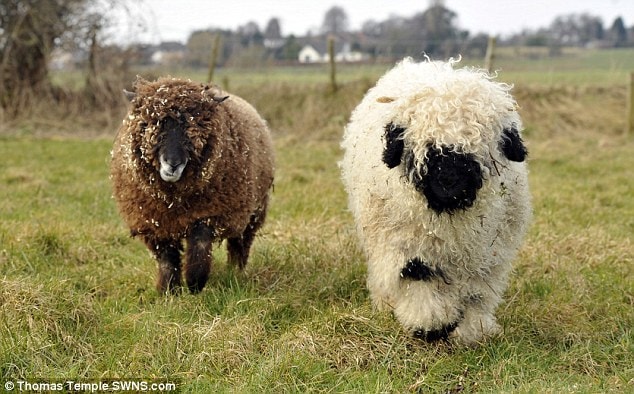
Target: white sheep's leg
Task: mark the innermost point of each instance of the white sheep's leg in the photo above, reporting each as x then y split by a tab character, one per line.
383	275
199	257
477	324
484	295
167	253
429	305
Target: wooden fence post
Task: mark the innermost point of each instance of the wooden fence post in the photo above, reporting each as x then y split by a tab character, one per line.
630	118
214	57
331	60
490	54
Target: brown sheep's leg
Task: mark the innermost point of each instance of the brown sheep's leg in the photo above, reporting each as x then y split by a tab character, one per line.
167	255
198	256
239	247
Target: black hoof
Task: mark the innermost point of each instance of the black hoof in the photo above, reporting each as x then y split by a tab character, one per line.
435	335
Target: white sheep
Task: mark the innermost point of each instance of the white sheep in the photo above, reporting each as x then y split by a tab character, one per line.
437	183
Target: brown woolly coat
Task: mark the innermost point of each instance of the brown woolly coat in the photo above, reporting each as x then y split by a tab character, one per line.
227	179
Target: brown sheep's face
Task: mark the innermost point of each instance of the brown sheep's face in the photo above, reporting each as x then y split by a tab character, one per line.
171	125
174	149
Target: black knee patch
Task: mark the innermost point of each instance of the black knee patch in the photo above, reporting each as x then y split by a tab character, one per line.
512	145
416	269
435	335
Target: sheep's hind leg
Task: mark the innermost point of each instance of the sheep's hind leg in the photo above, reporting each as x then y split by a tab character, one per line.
169	265
238	248
198	257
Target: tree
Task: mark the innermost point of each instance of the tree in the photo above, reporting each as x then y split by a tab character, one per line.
290	49
273	29
28	33
250	34
437	29
618	32
335	21
199	47
372	28
477	46
576	29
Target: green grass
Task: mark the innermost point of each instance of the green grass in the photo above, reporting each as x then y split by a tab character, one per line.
77	298
515	65
519	65
572	67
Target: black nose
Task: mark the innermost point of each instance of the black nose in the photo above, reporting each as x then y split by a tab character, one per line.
451	181
173	161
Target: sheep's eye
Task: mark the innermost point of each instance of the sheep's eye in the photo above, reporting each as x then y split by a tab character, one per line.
394	145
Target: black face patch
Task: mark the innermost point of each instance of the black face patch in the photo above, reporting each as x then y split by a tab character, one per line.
394	145
451	181
512	146
175	146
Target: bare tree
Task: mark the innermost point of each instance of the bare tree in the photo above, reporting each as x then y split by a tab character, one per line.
28	34
576	29
435	29
273	29
335	21
618	32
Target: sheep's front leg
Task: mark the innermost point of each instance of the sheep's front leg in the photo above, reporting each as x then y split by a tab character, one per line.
167	255
198	256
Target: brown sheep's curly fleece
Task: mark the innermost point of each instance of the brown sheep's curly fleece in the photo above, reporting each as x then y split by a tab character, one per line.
227	179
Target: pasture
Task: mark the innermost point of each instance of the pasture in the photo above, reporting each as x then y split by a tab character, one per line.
77	297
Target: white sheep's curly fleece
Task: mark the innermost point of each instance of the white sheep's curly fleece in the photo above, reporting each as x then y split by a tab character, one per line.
438	106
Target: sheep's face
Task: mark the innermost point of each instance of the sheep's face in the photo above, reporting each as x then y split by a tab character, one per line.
165	147
448	139
172	126
174	150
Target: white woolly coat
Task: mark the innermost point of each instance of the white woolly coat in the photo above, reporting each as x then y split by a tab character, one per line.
438	106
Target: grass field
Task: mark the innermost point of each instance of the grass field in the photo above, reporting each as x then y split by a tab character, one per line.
77	298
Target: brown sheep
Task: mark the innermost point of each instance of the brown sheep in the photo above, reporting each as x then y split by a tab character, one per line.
191	162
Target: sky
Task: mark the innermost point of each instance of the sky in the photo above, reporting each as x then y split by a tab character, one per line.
169	20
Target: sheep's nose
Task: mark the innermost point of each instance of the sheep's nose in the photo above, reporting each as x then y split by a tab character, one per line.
451	181
173	163
171	168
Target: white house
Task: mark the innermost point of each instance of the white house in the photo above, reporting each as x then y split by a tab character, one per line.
317	52
308	54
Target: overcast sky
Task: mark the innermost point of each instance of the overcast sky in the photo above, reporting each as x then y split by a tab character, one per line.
169	20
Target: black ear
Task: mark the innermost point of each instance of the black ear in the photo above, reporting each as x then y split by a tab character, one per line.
512	145
393	145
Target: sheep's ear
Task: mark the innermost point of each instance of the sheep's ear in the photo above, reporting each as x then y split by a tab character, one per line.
129	95
385	99
394	145
512	145
219	99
